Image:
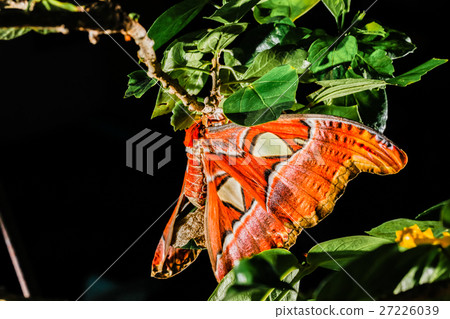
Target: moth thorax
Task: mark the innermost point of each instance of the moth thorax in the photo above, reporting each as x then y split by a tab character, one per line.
214	118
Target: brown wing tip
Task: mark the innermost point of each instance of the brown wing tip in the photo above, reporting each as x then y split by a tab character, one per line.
176	261
396	159
379	156
402	159
160	273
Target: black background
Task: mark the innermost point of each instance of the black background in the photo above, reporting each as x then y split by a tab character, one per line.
73	207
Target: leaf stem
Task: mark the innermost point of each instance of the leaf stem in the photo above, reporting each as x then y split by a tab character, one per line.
303	271
190	68
249	80
231	69
267	294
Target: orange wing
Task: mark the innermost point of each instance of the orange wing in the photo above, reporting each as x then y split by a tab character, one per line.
237	226
268	182
184	226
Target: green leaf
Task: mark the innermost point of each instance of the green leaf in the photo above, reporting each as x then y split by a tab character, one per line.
271	275
173	20
332	89
322	57
183	63
372	104
12	33
445	214
416	74
181	118
229	78
381	272
233	11
430	267
66	6
262	38
257	273
433	213
264	99
165	103
139	83
218	39
298	108
379	61
268	10
373	29
397	44
349	112
377	64
337	253
187	67
336	7
304	37
387	230
373	108
277	56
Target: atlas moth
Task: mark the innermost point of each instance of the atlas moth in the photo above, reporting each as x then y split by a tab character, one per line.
250	189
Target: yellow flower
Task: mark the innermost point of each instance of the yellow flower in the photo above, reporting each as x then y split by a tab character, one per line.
445	241
411	237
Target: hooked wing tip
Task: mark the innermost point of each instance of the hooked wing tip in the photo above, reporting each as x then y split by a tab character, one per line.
176	261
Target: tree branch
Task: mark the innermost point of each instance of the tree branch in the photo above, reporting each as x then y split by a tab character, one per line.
110	17
148	56
100	18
